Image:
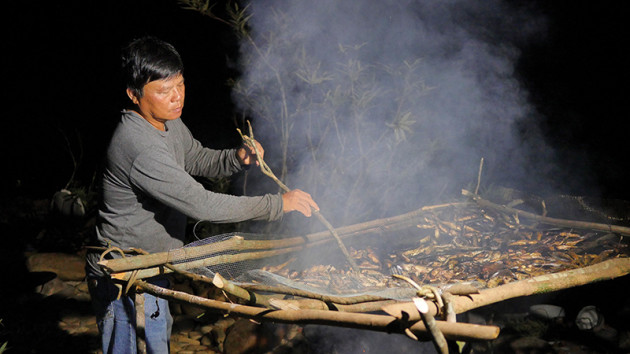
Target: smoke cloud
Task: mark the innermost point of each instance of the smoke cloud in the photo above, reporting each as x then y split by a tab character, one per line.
379	107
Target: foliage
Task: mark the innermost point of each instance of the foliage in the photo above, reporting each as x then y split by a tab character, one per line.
3	347
337	133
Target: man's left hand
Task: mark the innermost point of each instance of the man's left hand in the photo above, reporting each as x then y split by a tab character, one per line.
247	154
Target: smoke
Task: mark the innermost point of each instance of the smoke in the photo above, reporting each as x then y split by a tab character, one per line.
379	107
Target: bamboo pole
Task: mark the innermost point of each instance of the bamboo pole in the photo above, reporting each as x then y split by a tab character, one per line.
541	284
383	323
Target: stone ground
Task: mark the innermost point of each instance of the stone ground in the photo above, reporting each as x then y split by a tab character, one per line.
56	318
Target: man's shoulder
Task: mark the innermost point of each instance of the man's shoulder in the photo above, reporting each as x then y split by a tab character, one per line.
132	136
178	126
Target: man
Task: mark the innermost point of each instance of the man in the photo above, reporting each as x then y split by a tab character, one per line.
149	191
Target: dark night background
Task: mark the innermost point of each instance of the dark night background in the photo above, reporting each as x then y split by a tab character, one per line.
64	92
61	82
63	64
64	71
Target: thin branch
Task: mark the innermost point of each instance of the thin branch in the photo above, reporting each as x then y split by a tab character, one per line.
249	140
383	323
479	176
622	230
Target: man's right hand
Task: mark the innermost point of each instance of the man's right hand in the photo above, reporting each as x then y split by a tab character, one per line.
300	201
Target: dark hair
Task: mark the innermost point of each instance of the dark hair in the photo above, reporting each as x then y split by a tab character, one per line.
148	59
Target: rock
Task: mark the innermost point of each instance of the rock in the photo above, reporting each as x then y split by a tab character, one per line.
214	334
67	204
530	345
70	318
207	340
182	286
202	289
183	324
219	331
88	321
624	340
66	266
218	337
176	308
51	287
187	309
83	287
588	318
183	339
175	346
205	329
244	337
195	335
197	348
547	312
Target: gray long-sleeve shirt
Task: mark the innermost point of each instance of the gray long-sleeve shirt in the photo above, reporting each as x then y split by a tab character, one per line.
149	191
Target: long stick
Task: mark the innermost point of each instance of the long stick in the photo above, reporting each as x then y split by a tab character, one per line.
479	176
251	297
206	262
150	264
623	230
384	224
182	255
173	256
312	304
383	323
341	300
249	140
606	270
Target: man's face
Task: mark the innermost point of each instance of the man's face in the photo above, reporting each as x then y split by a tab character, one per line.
162	100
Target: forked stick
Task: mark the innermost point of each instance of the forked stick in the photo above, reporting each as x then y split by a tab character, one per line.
249	141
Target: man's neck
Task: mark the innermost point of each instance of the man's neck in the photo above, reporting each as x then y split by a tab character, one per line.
156	123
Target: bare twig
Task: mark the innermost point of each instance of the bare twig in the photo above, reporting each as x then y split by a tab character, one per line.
75	161
341	300
622	230
479	176
249	140
383	323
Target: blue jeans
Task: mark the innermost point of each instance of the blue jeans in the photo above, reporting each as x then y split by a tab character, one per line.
116	318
